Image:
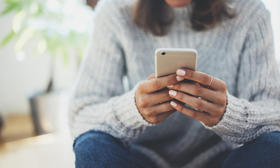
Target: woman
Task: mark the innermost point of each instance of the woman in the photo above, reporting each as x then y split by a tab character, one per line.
235	88
92	3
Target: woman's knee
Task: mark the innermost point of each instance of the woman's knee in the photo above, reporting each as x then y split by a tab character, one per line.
93	148
272	138
262	152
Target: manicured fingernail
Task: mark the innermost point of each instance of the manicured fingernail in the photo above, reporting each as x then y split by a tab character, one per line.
173	104
181	72
172	92
179	79
170	86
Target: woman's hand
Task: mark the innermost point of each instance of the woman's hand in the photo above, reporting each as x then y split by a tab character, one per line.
153	100
206	94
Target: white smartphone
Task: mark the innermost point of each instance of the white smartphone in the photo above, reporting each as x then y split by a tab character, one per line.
168	60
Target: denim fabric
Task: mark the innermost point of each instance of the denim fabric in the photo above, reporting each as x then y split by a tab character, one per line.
264	152
95	149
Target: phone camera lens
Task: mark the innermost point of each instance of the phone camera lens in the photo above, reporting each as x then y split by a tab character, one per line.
163	53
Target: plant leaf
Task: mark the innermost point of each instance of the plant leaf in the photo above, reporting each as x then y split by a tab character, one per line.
11	7
23	38
7	38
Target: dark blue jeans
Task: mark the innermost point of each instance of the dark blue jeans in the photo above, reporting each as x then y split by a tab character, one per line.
95	149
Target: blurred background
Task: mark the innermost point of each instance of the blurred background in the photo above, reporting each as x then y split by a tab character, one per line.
41	46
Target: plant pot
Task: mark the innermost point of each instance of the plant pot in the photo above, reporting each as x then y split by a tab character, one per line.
47	111
1	123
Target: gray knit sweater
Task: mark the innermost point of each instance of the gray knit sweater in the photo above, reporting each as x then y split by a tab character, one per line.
238	51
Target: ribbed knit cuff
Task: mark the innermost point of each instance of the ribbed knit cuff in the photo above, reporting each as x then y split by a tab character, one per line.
235	120
126	112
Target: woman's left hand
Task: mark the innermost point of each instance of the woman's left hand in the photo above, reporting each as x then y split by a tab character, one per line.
206	94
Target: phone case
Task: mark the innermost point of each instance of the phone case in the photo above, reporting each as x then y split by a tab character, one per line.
168	60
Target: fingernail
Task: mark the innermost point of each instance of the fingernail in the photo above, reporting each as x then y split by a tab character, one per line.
181	72
172	92
170	86
173	104
179	79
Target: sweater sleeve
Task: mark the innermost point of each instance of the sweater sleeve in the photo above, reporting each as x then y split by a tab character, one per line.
98	101
255	107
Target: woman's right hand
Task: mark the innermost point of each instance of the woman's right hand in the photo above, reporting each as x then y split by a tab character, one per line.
153	100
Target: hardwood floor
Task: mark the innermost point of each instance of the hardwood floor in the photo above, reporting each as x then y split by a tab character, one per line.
45	151
16	127
19	148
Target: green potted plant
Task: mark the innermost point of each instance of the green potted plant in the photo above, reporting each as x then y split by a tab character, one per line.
60	28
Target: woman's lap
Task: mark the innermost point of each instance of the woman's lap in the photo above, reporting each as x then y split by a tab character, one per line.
95	149
264	152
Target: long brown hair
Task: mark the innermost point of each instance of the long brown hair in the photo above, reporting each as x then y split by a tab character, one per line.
156	16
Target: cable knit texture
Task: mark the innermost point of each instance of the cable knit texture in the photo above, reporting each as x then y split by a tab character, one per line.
238	51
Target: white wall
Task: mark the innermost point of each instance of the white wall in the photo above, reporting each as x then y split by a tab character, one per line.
18	79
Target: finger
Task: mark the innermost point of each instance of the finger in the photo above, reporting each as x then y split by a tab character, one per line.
152	76
198	103
201	78
199	91
201	116
158	109
156	84
159	118
163	116
158	97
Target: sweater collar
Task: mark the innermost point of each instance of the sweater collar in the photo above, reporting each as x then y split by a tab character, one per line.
182	12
